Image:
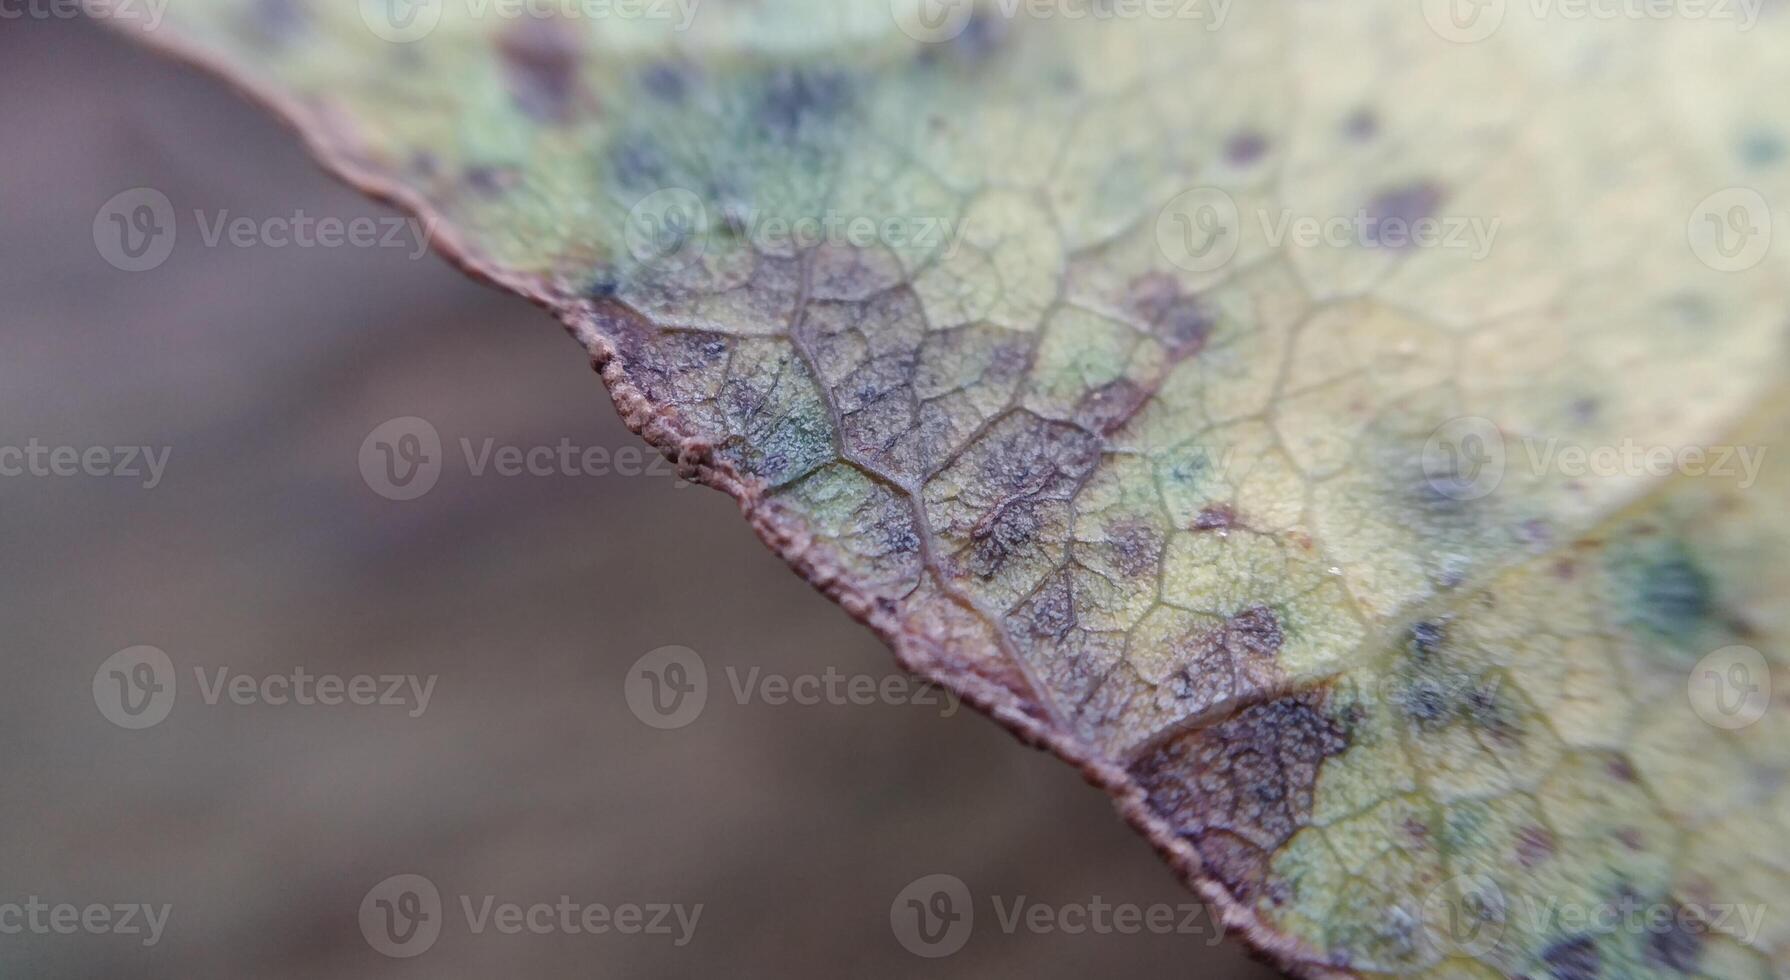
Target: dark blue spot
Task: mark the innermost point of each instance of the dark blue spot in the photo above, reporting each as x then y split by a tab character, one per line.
1362	125
604	286
666	81
1762	149
1427	637
1574	959
637	163
1392	212
541	61
1678	944
793	96
1245	148
1669	595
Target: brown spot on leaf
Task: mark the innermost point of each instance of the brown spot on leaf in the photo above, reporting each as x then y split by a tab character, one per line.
491	181
541	61
1108	407
1392	212
1235	661
1016	481
1574	959
1417	830
1137	547
1245	148
1249	778
1677	944
1536	531
1233	860
1534	845
1256	631
1215	517
1486	710
1425	704
1427	637
1183	323
1006	530
666	80
1361	125
1051	613
794	95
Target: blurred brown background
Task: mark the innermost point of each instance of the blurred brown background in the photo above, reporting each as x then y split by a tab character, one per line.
263	550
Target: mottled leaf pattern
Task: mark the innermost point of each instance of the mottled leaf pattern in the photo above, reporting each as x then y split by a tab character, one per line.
1179	519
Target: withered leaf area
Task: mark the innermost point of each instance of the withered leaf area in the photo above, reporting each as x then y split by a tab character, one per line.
1348	434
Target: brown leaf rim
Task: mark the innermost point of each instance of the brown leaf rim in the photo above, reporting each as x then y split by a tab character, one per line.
663	430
